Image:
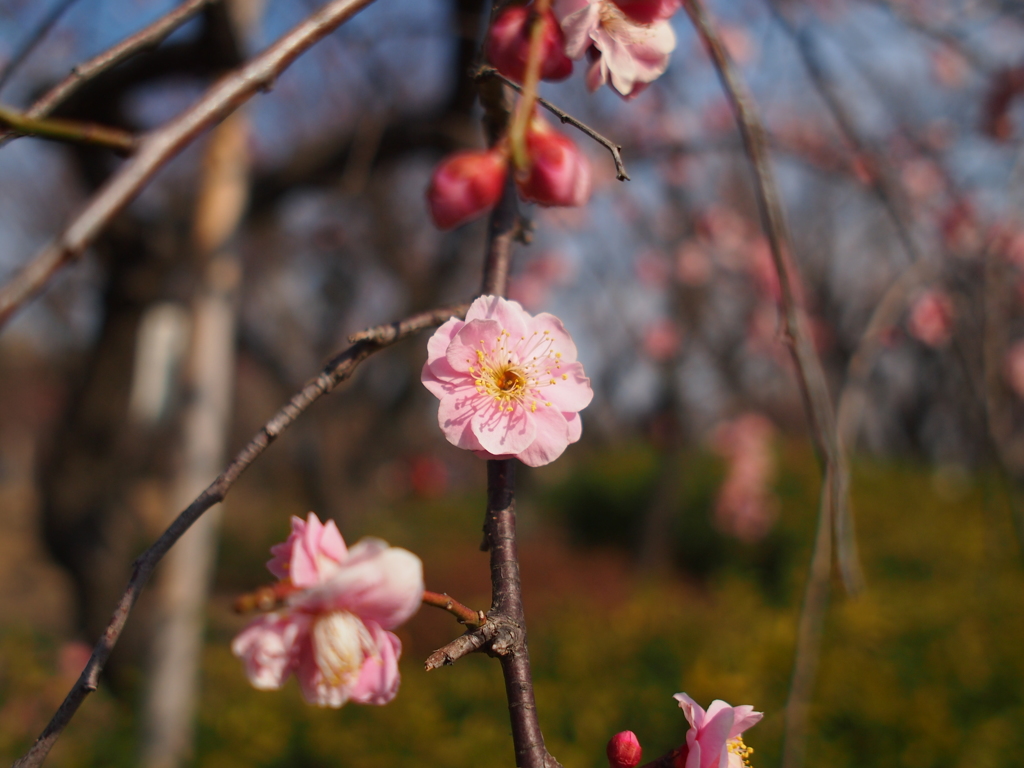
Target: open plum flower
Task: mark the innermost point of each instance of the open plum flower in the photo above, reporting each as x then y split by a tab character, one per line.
715	737
332	633
622	50
508	382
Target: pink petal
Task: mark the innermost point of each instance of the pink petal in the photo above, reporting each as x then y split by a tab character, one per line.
441	338
269	648
575	426
281	561
570	394
476	336
714	733
552	438
618	56
454	416
744	718
579	19
510	315
503	431
597	75
379	678
694	712
377	583
561	340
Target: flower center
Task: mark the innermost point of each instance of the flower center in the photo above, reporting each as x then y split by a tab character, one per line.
515	373
341	642
739	753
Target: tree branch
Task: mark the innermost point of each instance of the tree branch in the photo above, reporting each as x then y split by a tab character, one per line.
465	615
146	38
507	604
35	37
565	117
67	130
340	368
158	147
810	374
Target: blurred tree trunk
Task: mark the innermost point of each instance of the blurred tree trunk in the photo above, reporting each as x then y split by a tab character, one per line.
184	581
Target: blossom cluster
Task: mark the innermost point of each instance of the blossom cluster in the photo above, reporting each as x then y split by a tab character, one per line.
714	739
332	633
627	43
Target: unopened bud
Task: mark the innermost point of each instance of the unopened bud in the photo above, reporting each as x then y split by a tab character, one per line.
624	750
466	185
508	45
559	173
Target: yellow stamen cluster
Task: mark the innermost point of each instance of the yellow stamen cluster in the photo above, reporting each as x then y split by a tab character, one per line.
513	374
741	750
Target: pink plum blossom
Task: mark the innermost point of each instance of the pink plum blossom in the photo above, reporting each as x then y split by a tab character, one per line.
332	632
931	318
715	738
624	750
745	506
508	382
508	45
623	51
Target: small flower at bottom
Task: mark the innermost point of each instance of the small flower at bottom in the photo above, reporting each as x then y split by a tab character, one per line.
332	632
508	382
715	737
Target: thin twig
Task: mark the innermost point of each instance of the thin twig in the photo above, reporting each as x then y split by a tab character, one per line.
144	39
67	130
808	643
385	334
34	38
463	645
565	117
157	148
833	510
340	368
465	614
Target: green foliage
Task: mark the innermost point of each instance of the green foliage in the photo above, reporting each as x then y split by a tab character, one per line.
924	671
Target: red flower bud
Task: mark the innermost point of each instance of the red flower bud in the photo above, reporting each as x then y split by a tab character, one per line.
624	750
465	185
559	172
647	11
508	45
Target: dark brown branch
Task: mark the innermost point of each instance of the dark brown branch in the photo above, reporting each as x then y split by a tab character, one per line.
385	334
158	147
502	229
144	39
465	615
565	117
507	603
68	131
466	644
340	368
